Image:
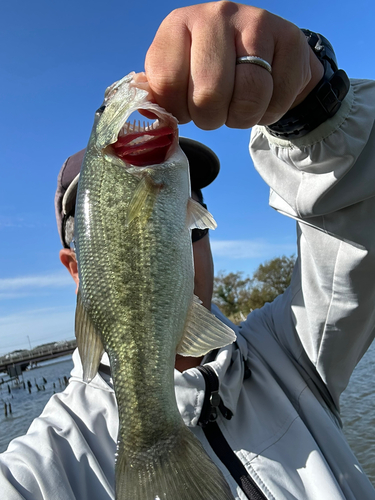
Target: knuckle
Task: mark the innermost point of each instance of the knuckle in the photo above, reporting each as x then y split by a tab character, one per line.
176	16
269	118
162	84
207	125
239	122
258	22
272	115
250	102
277	108
208	111
208	98
244	114
293	37
224	7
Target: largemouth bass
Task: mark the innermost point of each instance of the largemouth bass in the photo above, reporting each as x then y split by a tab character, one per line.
133	222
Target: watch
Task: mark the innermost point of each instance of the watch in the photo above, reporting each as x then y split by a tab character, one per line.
324	100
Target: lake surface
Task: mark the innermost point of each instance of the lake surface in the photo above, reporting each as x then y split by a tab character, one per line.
357	405
49	377
358	412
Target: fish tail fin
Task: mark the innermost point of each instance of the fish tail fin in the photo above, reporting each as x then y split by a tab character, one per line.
180	469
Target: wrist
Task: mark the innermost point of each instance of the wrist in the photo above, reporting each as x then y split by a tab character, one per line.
317	73
321	99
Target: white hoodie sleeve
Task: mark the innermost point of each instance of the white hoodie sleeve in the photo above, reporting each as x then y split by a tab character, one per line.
68	452
326	181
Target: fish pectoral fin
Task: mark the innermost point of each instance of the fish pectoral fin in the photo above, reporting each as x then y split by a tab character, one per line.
203	332
198	217
89	343
143	201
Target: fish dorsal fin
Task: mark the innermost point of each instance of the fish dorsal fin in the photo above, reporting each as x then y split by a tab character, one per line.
203	332
198	217
142	203
89	343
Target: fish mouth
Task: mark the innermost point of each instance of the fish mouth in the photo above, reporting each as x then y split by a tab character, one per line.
146	144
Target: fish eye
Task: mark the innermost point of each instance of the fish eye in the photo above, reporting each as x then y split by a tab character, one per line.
100	110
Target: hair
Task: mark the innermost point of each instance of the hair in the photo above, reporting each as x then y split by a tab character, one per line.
68	230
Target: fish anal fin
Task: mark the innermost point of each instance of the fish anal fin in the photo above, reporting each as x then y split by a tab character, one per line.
89	343
198	216
203	332
143	201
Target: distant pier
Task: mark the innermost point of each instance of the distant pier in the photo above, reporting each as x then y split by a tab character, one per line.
31	358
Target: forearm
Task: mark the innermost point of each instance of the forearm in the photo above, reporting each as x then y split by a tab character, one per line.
330	168
326	181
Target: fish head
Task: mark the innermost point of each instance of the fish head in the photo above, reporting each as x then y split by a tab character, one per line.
131	142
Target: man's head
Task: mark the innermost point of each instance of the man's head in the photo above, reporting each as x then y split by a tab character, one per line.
204	167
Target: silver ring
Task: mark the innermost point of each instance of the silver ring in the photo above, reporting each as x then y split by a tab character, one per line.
254	60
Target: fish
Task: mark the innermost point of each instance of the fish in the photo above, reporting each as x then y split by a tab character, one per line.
133	220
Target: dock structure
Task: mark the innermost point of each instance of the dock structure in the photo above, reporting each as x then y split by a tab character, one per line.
26	358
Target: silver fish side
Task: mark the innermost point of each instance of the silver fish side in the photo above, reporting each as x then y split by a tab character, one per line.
136	274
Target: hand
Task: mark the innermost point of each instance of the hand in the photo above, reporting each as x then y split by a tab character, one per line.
191	65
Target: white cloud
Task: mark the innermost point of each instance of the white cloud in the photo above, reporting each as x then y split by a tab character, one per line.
39	325
15	221
53	280
249	249
16	295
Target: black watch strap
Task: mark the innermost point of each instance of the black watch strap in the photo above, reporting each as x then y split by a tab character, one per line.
324	100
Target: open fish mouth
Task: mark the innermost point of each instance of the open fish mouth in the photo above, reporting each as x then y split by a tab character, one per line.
135	144
142	145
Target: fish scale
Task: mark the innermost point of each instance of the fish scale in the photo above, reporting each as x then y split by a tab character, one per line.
136	302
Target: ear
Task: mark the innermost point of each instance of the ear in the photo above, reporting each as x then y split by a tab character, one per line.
203	270
68	258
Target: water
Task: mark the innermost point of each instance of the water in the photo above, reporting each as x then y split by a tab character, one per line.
25	406
357	406
358	413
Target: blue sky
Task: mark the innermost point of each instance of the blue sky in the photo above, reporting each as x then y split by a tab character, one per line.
57	58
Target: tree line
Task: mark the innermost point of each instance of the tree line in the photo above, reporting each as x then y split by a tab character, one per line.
237	295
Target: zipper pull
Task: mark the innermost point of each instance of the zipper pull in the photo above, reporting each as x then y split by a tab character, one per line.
212	400
215	401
